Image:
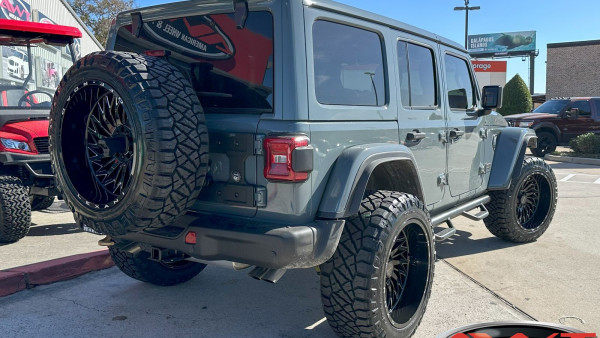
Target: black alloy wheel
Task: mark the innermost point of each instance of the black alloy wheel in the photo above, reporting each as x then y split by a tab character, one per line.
396	273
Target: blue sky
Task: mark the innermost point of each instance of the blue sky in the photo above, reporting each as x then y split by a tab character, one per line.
553	20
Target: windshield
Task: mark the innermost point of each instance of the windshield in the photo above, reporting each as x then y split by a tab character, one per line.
552	107
48	65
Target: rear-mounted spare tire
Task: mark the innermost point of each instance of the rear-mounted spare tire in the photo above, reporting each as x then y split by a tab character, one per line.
128	142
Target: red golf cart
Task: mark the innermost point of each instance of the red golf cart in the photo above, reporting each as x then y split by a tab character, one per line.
26	180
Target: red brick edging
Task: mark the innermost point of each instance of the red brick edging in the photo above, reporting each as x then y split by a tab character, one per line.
29	276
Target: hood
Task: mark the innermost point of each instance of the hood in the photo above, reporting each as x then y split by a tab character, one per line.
29	129
531	116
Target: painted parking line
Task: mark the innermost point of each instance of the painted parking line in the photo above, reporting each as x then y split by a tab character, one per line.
577	178
568	177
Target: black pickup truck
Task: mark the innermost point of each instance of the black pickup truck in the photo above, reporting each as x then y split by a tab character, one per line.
559	120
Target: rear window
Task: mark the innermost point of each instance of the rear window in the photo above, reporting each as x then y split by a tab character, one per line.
348	65
230	68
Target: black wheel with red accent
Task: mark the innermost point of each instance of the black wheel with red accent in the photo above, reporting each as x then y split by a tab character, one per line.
523	212
128	142
378	282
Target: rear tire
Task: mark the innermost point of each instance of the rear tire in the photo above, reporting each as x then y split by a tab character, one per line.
128	142
546	143
41	202
379	280
15	209
523	212
140	267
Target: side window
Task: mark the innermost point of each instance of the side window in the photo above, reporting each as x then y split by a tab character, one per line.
418	87
348	65
584	108
459	83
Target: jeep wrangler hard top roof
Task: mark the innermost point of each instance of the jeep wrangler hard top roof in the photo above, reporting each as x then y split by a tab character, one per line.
184	8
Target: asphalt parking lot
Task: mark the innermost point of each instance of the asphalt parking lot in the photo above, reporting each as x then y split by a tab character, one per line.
478	278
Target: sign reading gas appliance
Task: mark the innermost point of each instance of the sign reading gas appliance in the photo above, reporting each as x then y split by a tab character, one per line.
516	330
15	10
194	36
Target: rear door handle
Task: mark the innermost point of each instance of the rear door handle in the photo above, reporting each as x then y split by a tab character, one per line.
415	135
456	133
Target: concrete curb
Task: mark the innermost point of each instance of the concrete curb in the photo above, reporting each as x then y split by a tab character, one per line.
576	160
28	276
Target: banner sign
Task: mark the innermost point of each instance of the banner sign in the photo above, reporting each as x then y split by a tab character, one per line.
502	43
489	66
15	10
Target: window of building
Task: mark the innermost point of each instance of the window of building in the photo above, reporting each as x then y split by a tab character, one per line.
418	87
349	68
459	83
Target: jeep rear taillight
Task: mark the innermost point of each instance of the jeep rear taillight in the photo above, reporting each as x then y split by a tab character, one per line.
288	158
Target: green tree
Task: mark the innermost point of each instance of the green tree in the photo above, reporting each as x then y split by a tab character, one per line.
516	98
97	15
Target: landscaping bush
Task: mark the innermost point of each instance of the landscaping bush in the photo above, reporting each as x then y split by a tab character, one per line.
515	97
586	144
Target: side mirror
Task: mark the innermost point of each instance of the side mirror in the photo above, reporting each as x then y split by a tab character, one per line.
491	99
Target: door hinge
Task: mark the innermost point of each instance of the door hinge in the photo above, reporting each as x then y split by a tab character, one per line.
260	197
443	179
483	133
258	144
443	136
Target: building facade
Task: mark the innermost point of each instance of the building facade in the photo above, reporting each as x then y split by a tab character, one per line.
48	63
573	69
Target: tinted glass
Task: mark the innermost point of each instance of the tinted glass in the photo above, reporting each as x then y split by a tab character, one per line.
584	108
403	73
552	107
348	65
229	68
422	76
458	83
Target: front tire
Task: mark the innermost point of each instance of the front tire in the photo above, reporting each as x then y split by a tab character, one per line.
15	209
379	280
523	212
140	267
546	144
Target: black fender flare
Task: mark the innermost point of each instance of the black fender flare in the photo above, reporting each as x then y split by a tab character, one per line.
349	177
548	125
510	146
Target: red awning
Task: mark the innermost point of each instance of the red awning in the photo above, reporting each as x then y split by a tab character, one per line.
15	32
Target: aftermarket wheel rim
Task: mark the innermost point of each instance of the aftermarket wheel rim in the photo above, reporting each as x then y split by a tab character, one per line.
545	144
406	274
533	201
99	149
397	270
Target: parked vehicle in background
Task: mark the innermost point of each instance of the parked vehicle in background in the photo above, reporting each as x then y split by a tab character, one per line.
26	180
559	120
290	134
17	64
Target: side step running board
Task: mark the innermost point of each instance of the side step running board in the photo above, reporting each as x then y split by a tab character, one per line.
446	233
446	216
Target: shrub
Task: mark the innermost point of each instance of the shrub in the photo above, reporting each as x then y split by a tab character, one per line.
516	98
586	144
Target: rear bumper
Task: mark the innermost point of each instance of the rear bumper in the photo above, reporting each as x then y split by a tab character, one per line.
261	244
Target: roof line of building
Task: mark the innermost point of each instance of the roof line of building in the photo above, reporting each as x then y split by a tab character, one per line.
574	44
85	27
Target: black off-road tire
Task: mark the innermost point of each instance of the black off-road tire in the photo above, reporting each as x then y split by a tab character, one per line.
140	267
356	280
519	214
546	144
41	202
142	113
15	209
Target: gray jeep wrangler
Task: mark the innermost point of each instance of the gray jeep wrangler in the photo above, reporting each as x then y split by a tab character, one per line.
290	134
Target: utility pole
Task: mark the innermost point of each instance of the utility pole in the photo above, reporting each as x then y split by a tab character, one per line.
467	8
